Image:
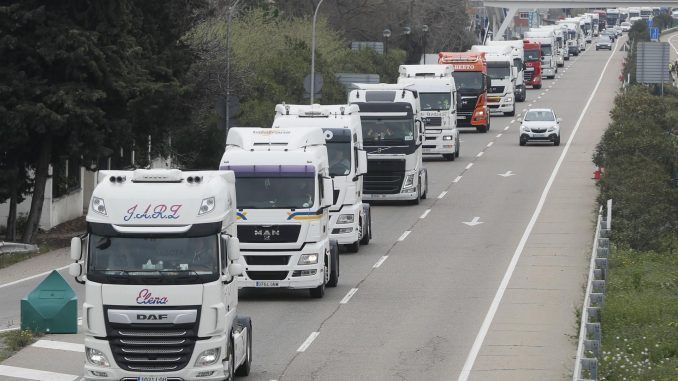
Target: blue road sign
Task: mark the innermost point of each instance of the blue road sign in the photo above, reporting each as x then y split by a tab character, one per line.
649	23
654	34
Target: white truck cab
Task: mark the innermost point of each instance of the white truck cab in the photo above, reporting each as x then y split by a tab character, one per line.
350	217
159	264
393	134
517	53
559	33
547	41
438	99
284	196
503	74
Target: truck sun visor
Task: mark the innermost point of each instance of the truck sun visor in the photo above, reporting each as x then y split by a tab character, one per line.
271	170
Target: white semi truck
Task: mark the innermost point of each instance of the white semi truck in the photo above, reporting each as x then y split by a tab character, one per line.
501	97
438	99
350	217
393	133
547	41
517	53
559	33
576	41
159	264
284	196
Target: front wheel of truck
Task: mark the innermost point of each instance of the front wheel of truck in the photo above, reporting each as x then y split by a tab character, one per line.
246	366
367	230
230	376
333	279
449	157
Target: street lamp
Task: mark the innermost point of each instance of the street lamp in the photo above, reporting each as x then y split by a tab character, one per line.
228	67
424	30
315	15
386	34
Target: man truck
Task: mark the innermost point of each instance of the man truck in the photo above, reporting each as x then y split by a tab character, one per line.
517	54
350	217
393	134
470	76
160	264
502	74
284	196
438	98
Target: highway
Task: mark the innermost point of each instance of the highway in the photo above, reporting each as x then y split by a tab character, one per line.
479	282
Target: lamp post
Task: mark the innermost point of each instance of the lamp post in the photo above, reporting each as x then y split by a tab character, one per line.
228	67
424	30
315	15
386	34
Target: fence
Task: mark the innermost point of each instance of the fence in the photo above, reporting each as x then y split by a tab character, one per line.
588	349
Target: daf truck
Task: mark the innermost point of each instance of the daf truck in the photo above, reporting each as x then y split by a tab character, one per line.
284	196
547	46
438	98
393	135
350	217
470	76
517	53
502	75
533	72
159	263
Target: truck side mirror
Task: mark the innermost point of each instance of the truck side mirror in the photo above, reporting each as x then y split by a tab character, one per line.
328	186
76	248
362	162
75	270
235	269
514	71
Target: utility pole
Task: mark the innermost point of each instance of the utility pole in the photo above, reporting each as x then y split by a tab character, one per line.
315	15
228	67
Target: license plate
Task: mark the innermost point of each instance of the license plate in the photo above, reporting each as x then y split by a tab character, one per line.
529	69
151	378
461	117
266	283
539	135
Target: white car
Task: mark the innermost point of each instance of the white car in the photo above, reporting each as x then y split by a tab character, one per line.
626	26
618	30
540	124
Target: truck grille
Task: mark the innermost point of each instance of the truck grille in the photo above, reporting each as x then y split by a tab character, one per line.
268	233
384	176
152	347
267	275
433	121
267	260
528	75
468	104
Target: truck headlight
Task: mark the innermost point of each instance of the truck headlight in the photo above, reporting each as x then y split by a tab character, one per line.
409	181
345	219
308	259
509	99
447	137
96	357
206	206
208	357
98	205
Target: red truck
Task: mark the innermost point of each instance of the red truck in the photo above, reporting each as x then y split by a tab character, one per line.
532	59
470	77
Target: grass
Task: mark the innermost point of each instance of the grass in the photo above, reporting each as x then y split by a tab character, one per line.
13	341
640	317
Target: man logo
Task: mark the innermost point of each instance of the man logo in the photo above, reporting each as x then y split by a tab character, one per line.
266	234
152	317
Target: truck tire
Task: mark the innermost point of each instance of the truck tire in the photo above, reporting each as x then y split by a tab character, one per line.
456	152
319	292
334	268
512	113
231	361
449	156
425	194
417	200
353	247
367	231
246	366
536	86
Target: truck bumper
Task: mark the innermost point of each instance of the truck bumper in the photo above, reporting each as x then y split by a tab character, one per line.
346	234
548	71
189	373
410	194
440	142
501	107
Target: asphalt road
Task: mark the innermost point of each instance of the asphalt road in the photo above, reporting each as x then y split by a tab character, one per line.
417	314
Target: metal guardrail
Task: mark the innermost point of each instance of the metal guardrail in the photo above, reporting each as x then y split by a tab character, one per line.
15	247
590	334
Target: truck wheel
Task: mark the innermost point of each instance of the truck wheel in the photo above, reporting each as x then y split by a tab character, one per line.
449	157
512	113
423	196
353	247
537	86
334	268
231	361
367	231
319	292
456	152
417	200
246	366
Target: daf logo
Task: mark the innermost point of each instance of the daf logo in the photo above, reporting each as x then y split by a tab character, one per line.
151	316
329	135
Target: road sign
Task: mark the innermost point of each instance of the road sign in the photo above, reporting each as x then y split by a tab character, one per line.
652	62
649	23
654	34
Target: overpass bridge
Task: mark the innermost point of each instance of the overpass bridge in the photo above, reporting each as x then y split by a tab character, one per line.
514	5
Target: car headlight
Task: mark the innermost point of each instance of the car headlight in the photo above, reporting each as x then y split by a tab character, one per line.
345	219
96	357
409	181
208	357
206	206
447	137
98	205
524	129
308	259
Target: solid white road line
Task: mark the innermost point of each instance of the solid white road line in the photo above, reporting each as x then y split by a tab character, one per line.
494	306
31	277
489	144
480	154
456	179
380	262
442	194
348	296
426	212
59	345
498	135
404	235
304	346
469	166
33	374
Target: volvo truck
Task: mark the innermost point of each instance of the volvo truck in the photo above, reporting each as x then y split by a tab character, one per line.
533	73
517	54
159	263
470	76
547	46
438	98
393	135
502	75
350	217
284	196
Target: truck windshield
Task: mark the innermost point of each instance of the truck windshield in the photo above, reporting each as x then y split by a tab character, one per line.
435	101
382	130
468	80
498	70
340	158
275	192
531	55
546	50
157	260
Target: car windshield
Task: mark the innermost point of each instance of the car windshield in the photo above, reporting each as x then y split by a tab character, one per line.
498	70
539	116
604	38
531	54
274	192
153	260
468	80
381	130
340	158
435	101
